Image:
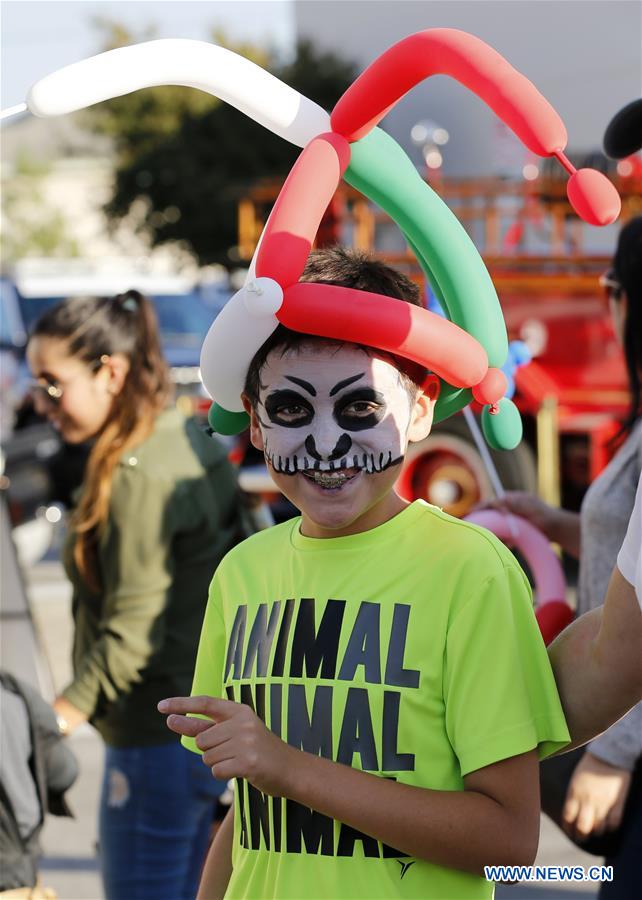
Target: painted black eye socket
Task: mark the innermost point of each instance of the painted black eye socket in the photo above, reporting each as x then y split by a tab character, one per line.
292	413
289	409
360	409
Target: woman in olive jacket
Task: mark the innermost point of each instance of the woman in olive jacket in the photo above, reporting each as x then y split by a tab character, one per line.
158	509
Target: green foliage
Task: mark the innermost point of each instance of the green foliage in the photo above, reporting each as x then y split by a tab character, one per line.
30	167
190	157
138	121
32	227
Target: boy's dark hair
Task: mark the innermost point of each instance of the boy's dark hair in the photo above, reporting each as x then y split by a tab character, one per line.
351	269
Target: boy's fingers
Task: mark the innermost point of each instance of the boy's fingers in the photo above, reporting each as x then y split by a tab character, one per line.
187	725
217	755
213	707
214	735
225	771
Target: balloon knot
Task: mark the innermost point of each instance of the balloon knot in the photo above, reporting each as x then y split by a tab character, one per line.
254	288
565	161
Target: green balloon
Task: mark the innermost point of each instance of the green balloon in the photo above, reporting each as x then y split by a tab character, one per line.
381	170
503	431
450	401
224	421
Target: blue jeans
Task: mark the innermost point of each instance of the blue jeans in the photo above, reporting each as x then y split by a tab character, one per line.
156	813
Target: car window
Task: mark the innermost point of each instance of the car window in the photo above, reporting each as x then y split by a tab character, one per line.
184	319
33	307
11	327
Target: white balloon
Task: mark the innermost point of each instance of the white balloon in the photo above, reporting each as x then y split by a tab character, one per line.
263	296
235	336
248	318
197	64
246	321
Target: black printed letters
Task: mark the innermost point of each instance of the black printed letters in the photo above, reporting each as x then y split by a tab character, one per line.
313	678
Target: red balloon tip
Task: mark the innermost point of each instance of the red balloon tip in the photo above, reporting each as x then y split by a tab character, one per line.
593	197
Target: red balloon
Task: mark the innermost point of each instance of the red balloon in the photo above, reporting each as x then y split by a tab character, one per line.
388	324
299	208
491	388
552	618
448	51
593	197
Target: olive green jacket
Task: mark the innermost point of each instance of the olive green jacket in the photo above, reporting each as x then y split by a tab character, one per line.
174	513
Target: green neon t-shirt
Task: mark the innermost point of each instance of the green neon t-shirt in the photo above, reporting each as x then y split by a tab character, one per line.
410	651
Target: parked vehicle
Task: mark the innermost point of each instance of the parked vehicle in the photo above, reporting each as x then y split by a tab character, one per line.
186	306
13	338
573	392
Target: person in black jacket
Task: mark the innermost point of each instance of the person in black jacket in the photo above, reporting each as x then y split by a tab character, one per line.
36	768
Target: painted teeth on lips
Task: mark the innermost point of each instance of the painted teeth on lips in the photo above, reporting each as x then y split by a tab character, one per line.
330	479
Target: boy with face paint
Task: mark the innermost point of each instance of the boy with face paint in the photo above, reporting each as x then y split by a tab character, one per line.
334	436
370	673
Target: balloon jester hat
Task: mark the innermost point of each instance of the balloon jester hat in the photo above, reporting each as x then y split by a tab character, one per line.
465	349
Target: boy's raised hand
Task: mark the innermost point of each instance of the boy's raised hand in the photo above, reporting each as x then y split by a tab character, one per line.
234	741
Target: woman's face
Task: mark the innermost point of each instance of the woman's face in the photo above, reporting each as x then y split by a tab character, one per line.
86	393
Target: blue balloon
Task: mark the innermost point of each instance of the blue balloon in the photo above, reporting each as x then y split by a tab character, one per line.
518	355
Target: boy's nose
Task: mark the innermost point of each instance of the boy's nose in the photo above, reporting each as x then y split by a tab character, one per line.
341	447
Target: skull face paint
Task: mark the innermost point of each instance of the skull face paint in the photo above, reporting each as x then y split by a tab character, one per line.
331	414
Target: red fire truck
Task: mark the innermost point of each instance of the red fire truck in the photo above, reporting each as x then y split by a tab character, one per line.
573	392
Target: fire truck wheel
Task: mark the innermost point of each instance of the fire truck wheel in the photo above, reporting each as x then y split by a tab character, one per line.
447	470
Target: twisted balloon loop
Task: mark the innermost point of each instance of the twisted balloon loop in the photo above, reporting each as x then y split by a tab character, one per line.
468	348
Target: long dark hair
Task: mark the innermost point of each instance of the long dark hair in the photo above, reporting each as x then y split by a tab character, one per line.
627	268
92	328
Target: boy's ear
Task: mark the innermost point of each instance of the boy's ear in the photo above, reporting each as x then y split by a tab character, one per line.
431	385
423	410
256	435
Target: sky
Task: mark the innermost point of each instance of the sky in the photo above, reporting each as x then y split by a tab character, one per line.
40	36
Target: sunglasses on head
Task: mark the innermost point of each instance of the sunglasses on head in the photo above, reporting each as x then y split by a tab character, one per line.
611	285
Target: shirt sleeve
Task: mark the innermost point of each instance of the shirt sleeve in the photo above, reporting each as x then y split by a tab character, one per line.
500	695
621	744
209	659
629	560
137	567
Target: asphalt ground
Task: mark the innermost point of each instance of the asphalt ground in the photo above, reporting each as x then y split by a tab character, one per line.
69	862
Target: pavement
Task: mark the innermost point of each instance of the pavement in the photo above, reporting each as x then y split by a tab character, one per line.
69	862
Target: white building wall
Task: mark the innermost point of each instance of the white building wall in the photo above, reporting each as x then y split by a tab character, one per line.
55	167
